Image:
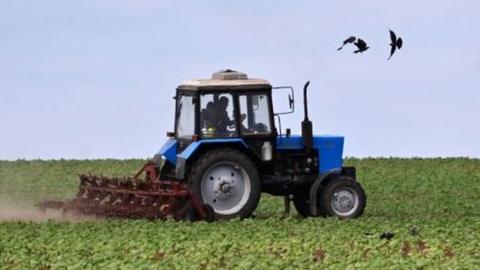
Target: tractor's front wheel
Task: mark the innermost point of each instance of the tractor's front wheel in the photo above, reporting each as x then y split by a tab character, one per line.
301	201
342	197
227	180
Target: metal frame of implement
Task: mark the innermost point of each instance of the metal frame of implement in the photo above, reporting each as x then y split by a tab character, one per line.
132	198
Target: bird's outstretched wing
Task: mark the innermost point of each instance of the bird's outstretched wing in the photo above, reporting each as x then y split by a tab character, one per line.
361	44
351	39
399	43
393	37
392	50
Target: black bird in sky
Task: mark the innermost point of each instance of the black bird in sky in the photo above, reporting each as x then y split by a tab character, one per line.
351	39
361	45
396	43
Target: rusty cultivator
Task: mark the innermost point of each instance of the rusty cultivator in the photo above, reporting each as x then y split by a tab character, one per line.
133	197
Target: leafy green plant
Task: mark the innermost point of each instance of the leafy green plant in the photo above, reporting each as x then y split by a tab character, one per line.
430	205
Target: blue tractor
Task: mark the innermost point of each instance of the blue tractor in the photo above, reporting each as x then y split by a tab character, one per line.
226	151
227	148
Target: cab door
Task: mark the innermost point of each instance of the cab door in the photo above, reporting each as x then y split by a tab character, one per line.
256	125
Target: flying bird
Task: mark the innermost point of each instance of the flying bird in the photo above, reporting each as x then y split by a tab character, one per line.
351	39
361	45
396	43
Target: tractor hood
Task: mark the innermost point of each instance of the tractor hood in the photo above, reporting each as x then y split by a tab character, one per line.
330	149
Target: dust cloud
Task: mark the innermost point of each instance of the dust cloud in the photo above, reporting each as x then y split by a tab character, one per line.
11	212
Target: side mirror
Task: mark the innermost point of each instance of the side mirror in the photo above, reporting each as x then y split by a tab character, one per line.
280	106
170	134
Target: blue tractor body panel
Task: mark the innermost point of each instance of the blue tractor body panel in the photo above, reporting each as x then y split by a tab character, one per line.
186	154
330	150
169	151
195	145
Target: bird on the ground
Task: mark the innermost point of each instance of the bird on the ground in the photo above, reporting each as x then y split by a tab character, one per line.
396	43
414	231
351	39
361	45
387	235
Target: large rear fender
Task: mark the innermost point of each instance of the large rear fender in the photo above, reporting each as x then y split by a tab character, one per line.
196	149
168	151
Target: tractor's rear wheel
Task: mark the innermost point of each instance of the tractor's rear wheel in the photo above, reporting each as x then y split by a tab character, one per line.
227	180
342	197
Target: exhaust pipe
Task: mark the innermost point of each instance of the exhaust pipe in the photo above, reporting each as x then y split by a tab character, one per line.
307	127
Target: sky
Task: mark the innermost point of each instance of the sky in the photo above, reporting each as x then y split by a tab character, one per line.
95	79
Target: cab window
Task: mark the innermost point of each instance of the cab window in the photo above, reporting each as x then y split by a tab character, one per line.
217	116
185	117
255	113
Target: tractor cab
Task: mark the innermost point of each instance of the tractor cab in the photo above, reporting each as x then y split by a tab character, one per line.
227	150
226	107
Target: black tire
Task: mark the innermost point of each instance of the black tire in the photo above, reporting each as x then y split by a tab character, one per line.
350	189
242	167
210	213
301	202
193	215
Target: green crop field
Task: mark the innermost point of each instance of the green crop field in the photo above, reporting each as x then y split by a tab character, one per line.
431	205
